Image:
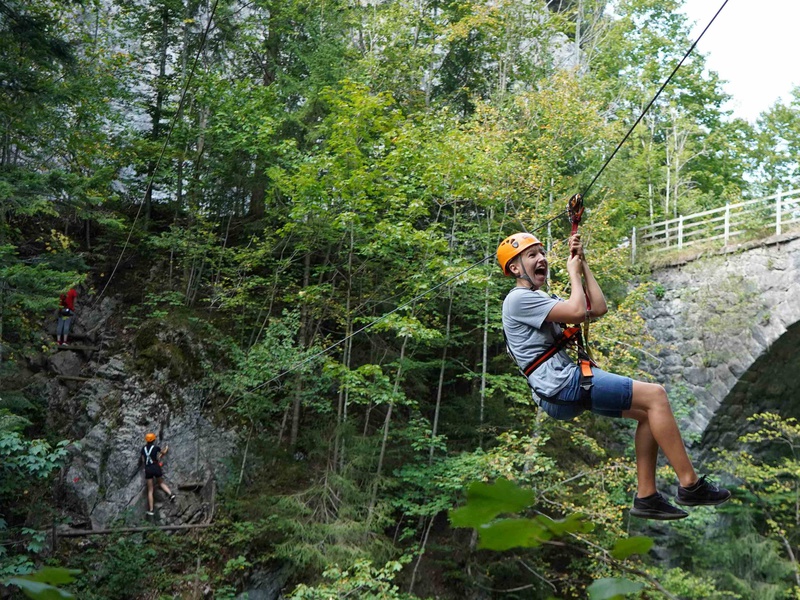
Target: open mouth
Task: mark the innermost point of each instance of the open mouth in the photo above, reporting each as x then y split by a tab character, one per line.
541	271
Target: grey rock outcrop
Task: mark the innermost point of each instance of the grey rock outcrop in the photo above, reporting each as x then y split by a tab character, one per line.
109	409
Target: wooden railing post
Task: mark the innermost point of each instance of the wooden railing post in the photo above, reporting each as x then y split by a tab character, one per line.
778	210
727	221
680	231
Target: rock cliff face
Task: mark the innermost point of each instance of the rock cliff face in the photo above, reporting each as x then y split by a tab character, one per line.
106	390
722	326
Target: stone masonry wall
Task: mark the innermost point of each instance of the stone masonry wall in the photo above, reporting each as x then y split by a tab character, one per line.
715	316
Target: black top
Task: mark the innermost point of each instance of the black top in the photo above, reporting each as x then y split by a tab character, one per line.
150	454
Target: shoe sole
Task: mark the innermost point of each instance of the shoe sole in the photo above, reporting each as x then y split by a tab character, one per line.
657	515
716	503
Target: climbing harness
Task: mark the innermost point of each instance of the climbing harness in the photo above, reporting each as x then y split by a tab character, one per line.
568	336
512	247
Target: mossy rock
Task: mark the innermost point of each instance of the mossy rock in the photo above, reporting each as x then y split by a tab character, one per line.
159	347
147	336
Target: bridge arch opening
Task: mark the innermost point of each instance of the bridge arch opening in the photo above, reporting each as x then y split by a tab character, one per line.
771	384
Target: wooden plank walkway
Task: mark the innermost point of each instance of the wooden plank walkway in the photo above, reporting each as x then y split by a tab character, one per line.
80	347
85	532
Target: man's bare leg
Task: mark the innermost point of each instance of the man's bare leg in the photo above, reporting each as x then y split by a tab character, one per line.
646	454
652	399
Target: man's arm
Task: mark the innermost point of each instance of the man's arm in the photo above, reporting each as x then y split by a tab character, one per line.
574	309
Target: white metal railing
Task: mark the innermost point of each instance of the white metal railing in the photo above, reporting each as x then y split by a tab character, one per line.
778	211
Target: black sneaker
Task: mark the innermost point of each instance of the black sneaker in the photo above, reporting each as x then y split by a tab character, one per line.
702	493
656	507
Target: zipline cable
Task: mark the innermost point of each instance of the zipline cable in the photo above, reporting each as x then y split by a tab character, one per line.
173	122
658	93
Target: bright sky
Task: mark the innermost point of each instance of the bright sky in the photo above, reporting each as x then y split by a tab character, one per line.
752	45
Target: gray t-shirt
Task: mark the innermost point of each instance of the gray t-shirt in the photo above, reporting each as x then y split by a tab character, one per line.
528	335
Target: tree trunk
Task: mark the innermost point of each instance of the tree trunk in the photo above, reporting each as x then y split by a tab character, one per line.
157	110
258	197
435	426
484	359
302	343
386	422
341	413
269	65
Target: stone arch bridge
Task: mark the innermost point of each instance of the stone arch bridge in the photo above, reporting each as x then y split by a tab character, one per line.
727	332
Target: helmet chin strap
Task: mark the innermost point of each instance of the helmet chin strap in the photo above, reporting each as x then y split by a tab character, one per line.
524	275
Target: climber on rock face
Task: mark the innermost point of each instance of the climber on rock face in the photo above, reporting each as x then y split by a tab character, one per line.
150	455
66	313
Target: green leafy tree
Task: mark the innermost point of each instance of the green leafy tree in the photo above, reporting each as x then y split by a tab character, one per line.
778	143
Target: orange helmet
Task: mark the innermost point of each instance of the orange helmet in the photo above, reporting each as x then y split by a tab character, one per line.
150	437
510	247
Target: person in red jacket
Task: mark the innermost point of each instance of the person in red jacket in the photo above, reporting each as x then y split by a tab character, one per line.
66	312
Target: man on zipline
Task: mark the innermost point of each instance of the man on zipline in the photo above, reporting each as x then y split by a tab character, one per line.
531	325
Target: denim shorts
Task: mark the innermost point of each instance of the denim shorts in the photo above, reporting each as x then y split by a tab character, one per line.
611	394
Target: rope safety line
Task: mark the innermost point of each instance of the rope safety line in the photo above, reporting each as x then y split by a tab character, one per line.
173	121
658	93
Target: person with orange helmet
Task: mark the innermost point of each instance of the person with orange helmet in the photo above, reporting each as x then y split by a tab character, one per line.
536	340
151	455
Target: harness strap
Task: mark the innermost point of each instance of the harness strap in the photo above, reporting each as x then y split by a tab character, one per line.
147	451
561	342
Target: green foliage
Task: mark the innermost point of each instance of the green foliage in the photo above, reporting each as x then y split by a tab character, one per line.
778	140
43	584
27	288
486	501
23	460
627	547
690	585
363	580
612	588
120	568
